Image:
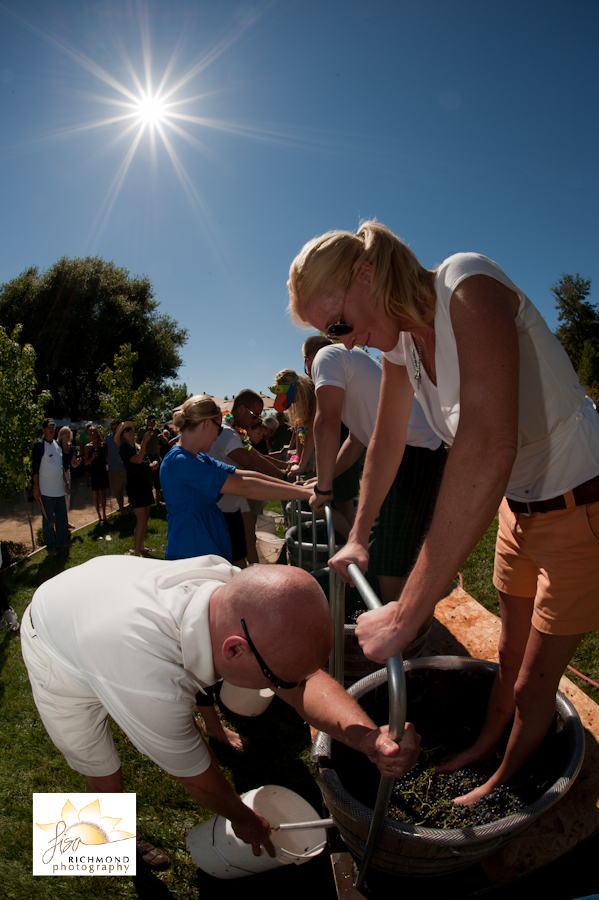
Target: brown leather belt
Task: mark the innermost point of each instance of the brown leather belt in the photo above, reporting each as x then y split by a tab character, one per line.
587	492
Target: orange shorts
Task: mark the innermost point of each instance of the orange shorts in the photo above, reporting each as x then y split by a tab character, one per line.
553	557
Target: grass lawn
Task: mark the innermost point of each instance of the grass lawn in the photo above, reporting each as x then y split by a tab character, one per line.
30	763
278	754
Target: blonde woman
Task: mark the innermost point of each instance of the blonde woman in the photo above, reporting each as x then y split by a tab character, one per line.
295	394
497	385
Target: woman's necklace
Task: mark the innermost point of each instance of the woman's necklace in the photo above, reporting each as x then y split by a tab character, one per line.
417	360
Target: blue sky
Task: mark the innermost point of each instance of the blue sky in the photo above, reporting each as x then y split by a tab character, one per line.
461	125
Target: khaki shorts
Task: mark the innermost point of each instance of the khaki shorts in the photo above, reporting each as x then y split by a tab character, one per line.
553	557
117	480
74	718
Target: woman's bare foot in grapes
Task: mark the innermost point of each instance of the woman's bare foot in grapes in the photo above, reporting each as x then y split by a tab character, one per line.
474	796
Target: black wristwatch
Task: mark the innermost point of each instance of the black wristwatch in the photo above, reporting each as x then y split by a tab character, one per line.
322	493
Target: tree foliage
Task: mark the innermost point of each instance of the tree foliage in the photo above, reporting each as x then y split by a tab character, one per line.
579	331
21	411
173	395
77	315
122	400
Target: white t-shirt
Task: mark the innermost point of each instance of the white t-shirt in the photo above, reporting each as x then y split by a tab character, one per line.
359	375
228	441
558	428
51	479
136	632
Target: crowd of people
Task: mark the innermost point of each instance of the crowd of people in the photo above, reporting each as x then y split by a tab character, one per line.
475	408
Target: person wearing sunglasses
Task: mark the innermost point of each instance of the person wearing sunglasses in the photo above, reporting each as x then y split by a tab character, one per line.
182	626
497	386
140	480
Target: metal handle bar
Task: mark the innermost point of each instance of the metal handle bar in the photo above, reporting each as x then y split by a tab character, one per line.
298	525
397	724
337	604
301	826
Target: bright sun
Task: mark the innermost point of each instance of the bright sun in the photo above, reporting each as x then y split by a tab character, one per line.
151	110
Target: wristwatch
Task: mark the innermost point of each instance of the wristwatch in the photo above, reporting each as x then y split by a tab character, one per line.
322	493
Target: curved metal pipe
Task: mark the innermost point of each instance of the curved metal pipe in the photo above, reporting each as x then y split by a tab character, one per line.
298	523
337	604
397	724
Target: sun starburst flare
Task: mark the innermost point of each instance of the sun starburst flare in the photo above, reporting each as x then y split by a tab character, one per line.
89	825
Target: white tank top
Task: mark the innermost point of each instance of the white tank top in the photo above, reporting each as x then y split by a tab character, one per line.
558	427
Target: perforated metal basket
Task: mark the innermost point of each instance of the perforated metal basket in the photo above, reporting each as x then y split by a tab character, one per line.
416	850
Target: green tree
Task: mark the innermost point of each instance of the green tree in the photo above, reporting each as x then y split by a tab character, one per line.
77	315
579	331
588	370
579	318
21	411
122	400
174	395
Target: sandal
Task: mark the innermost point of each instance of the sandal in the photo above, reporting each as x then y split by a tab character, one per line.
150	855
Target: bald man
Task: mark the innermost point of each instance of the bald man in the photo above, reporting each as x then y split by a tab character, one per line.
135	638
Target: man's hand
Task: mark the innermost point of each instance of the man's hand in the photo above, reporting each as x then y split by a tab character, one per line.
317	501
380	633
352	552
253	829
36	493
392	760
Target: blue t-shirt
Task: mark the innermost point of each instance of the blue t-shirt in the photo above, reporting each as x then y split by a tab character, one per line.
191	488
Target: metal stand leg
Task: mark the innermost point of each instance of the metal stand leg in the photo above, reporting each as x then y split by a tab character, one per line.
397	722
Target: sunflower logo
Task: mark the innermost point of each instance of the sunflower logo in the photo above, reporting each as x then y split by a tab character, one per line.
88	825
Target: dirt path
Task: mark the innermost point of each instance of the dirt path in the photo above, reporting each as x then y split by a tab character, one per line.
14	524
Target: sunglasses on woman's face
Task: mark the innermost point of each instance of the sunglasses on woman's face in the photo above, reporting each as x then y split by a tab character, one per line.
125	430
340	328
218	425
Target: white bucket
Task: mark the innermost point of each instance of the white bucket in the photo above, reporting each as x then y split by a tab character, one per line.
269	521
245	701
268	547
215	848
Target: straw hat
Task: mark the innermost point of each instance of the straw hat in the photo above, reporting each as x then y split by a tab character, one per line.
119	432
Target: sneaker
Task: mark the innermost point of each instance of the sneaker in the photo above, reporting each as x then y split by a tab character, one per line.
10	617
